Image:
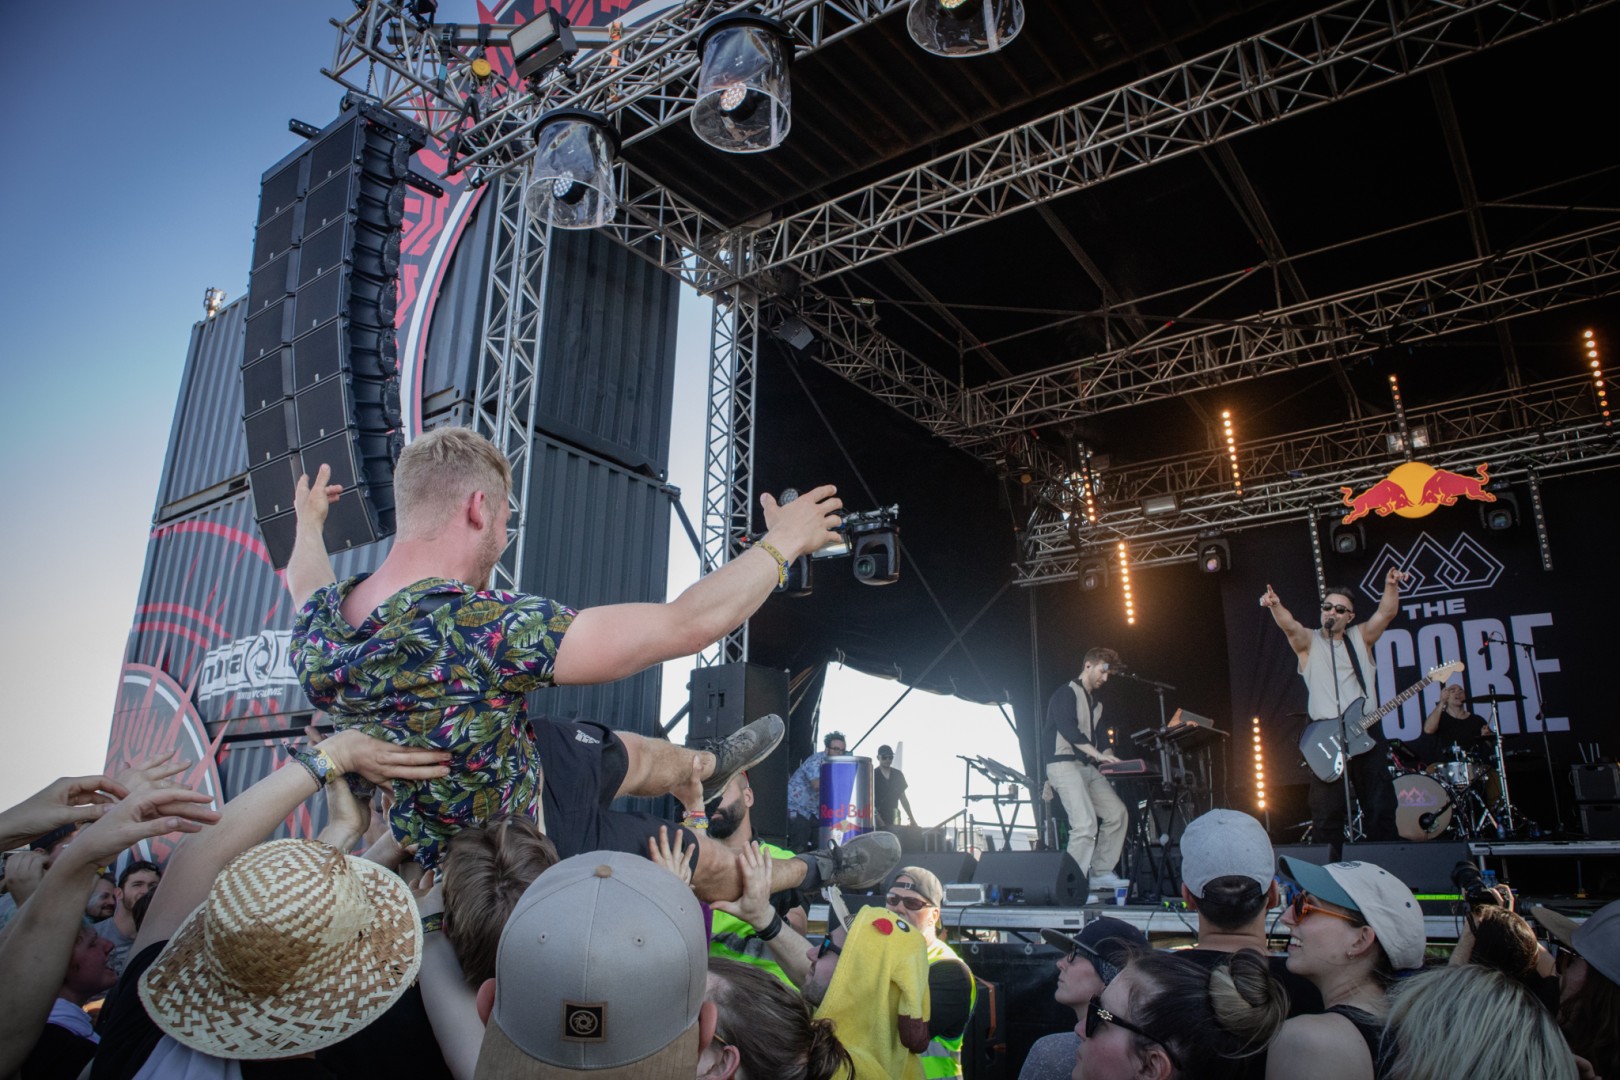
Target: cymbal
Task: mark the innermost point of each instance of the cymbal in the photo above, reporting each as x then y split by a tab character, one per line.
1491	699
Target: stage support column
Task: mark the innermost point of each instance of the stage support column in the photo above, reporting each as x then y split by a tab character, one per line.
728	453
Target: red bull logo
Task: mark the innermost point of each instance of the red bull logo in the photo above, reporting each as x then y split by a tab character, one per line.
1414	489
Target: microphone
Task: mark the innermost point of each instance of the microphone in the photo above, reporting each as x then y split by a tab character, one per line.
1426	821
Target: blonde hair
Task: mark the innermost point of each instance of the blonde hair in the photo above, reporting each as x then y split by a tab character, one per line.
439	471
1473	1021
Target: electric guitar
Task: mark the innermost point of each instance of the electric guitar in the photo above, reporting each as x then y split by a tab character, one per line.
1323	741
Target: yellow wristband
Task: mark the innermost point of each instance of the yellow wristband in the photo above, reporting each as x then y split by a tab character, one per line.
781	563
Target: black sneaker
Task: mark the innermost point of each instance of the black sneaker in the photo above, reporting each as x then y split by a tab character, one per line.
741	751
861	863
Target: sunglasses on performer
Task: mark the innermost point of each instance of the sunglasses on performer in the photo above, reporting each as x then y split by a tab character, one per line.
1340	608
1303	907
910	903
1096	1016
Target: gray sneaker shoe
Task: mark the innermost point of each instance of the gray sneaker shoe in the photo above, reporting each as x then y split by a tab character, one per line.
742	750
860	864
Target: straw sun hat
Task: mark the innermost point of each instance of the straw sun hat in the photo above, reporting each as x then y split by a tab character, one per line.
296	947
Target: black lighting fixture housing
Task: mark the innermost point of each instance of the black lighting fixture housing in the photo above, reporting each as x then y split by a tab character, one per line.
1214	555
1093	575
1501	515
1347	539
541	43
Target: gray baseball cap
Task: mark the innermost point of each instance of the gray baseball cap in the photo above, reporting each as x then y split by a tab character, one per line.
1225	843
601	970
1597	940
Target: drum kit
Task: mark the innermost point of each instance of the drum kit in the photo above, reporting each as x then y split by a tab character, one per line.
1464	795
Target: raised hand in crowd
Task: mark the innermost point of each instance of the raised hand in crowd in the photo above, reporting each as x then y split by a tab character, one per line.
677	862
158	770
24	871
786	945
68	801
39	940
347	818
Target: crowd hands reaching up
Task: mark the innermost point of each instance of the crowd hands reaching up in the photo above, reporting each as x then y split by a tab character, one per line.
460	971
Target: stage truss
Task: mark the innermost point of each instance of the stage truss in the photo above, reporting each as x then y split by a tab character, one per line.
645	77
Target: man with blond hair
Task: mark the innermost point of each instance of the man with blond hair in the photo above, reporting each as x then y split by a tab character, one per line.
421	653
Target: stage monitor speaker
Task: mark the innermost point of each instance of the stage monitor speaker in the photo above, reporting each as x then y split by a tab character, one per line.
1600	820
726	697
1035	878
951	867
1425	868
1595	783
320	361
1015	1006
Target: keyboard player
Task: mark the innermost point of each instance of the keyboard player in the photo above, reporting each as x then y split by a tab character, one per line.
1097	818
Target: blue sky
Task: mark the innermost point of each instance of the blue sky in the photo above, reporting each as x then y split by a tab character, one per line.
137	142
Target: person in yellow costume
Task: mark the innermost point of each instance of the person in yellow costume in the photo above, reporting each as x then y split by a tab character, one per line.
872	982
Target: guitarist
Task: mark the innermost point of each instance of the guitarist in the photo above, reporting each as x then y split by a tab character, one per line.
1333	681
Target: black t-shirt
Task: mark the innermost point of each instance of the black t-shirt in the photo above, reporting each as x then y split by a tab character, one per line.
1303	997
1463	730
58	1055
886	792
398	1043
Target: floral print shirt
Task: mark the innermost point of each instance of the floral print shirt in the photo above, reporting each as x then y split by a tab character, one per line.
438	664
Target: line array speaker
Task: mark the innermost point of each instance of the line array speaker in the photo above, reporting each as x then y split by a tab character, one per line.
320	363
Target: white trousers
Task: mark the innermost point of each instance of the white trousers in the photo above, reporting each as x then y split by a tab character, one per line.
1097	818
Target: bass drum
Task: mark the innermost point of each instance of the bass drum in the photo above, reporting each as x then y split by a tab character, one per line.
1423	806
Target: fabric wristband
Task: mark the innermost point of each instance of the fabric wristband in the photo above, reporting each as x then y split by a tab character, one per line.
770	931
433	923
781	562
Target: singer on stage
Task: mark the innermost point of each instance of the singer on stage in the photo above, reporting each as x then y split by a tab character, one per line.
1335	676
1097	819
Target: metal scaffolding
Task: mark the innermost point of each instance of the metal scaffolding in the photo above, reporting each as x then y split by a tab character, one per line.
508	355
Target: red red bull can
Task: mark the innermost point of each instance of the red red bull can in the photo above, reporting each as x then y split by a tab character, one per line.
846	798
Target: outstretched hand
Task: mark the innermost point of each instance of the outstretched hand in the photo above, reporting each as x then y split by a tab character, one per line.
67	801
804	525
1268	599
676	861
149	812
1395	578
153	771
311	501
754	905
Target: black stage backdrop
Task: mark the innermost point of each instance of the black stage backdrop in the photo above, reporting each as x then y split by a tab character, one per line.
1469	582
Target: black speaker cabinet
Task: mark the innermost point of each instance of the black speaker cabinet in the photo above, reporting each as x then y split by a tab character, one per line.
1600	820
1038	878
726	697
1595	783
1424	868
1320	854
1016	983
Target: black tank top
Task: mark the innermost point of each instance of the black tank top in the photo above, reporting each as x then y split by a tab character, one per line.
1370	1028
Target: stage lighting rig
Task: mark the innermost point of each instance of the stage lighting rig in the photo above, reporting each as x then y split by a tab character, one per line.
960	28
872	537
572	186
541	43
744	96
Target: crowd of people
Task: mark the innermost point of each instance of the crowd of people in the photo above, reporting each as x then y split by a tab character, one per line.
473	906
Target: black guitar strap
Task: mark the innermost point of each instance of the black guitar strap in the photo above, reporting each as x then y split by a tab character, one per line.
1355	664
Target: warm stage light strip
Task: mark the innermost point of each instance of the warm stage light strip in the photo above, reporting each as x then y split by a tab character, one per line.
1125	580
1231	451
1259	769
1589	340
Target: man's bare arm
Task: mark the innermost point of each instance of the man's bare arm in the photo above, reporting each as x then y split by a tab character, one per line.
1388	605
309	567
1298	636
617	640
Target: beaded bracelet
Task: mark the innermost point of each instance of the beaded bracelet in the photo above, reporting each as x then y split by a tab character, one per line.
696	819
781	562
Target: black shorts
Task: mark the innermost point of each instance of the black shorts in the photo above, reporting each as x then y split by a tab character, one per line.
584	765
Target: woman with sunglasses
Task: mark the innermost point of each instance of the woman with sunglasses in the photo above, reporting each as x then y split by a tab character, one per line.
1352	926
1090	961
1588	963
1167	1018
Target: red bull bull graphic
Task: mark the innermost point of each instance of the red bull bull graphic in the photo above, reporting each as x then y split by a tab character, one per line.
1414	489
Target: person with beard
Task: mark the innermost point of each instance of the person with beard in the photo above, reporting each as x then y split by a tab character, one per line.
421	654
732	937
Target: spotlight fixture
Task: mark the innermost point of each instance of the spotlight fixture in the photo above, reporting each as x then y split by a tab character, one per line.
961	28
744	98
1214	555
1093	575
572	186
213	301
1501	515
1347	539
1599	389
1155	505
1125	583
541	43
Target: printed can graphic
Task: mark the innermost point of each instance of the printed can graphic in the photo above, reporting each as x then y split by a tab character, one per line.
846	798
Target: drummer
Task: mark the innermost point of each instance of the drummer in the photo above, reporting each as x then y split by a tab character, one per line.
1453	722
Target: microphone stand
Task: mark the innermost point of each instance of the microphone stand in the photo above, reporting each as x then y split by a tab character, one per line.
1337	849
1541	719
1159	688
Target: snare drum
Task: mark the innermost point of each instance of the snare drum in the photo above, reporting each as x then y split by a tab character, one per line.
1458	768
1423	806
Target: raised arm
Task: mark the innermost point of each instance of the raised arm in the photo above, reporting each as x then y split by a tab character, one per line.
618	640
1431	723
1388	605
1298	635
309	568
787	946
